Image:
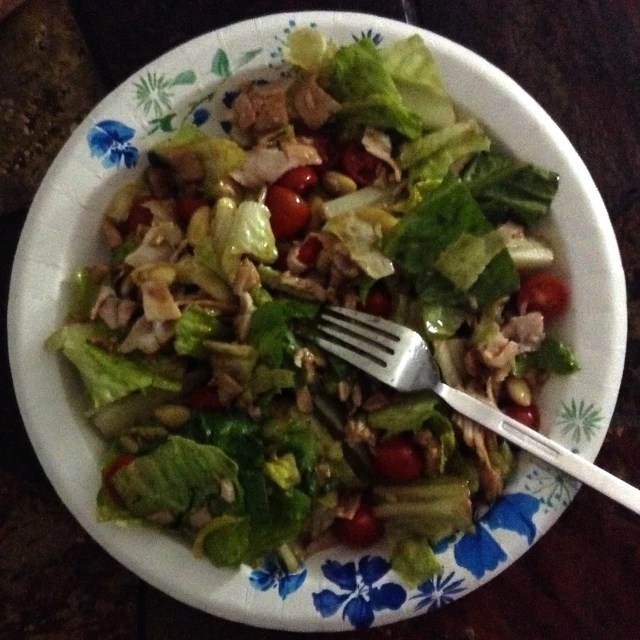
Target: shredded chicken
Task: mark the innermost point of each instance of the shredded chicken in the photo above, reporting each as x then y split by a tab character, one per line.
264	165
115	312
185	163
356	431
378	144
432	452
158	245
499	354
294	265
312	103
157	301
228	387
304	401
110	233
262	108
246	277
146	336
199	518
526	330
242	321
306	286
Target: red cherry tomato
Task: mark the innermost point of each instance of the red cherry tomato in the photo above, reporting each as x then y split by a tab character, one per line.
204	398
309	251
544	292
289	212
361	166
529	416
300	179
110	470
187	206
378	302
361	531
397	458
139	215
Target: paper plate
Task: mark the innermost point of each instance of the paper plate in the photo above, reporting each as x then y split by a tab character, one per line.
337	589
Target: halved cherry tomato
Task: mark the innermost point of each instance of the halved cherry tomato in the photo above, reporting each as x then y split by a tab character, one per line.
299	179
360	165
378	302
397	458
529	416
204	398
123	460
544	292
187	206
309	251
361	531
139	215
289	212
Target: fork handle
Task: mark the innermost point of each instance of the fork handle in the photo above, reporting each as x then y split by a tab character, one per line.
541	446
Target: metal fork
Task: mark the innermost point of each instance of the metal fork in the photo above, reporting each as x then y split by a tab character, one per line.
400	358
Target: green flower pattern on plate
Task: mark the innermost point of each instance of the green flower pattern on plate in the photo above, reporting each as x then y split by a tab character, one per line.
554	488
579	420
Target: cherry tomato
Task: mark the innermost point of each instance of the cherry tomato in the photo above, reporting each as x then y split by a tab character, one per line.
204	398
289	212
361	166
361	531
378	302
544	292
187	206
139	215
529	416
300	179
309	251
120	462
397	458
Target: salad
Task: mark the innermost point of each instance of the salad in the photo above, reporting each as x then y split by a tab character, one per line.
354	182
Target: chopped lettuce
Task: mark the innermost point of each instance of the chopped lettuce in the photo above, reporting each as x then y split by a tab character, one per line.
358	80
224	540
552	355
510	189
430	158
195	325
109	376
414	71
270	332
283	470
361	232
176	476
83	293
308	49
234	433
413	559
241	231
438	221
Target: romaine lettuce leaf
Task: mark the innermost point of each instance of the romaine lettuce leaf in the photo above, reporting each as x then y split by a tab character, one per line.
283	470
507	188
107	375
176	476
269	332
413	559
438	221
224	540
414	71
83	294
552	355
195	325
358	80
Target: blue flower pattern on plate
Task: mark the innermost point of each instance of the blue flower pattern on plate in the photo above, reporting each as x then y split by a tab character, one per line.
109	140
479	552
271	576
361	599
438	591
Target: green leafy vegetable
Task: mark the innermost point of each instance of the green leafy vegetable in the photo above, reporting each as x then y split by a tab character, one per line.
409	413
437	222
358	80
414	71
178	475
552	355
270	332
195	325
109	376
283	471
413	559
224	540
507	188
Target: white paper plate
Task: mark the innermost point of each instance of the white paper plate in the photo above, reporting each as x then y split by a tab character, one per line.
338	589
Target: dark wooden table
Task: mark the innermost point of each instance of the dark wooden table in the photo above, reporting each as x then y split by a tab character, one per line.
580	60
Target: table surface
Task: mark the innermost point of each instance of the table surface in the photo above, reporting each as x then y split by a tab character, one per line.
580	60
